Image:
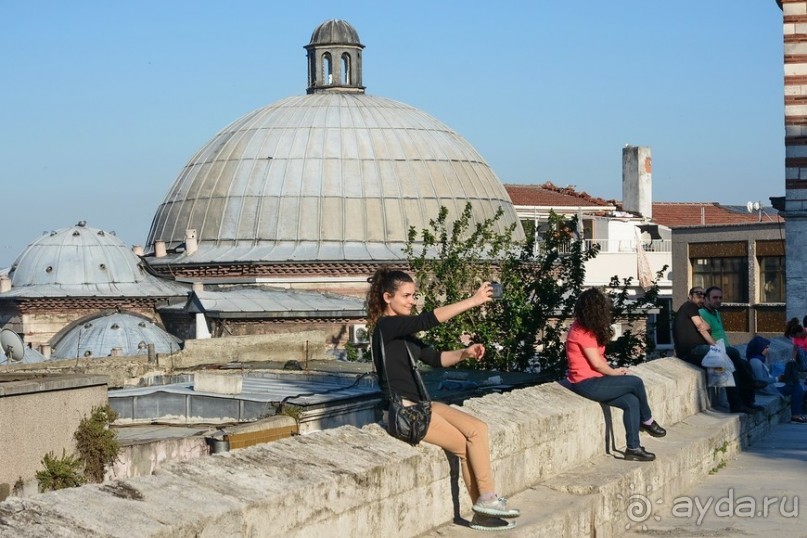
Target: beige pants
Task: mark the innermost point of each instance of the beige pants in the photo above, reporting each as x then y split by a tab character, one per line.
467	438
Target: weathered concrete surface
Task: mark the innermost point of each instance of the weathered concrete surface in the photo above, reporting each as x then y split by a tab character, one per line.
363	483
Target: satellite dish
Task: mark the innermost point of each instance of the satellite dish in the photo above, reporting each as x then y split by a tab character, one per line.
12	346
750	206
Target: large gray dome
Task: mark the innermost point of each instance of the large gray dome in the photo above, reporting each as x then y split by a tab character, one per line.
335	175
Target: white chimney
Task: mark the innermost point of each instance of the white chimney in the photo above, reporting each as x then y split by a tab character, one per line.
198	286
5	283
159	249
138	250
190	242
637	180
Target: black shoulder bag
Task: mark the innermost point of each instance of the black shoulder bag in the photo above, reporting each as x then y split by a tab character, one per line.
407	423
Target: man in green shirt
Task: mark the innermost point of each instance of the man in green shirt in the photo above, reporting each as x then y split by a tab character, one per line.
743	376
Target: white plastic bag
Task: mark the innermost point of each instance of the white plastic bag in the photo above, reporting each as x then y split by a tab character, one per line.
717	358
718	377
713	359
720	369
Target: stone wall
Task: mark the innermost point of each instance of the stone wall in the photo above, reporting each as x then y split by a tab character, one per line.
360	482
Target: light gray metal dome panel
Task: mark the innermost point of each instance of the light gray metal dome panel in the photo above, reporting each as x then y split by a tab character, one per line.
83	261
269	303
99	336
335	31
326	176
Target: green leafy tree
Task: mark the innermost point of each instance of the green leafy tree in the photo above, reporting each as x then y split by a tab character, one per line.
540	287
542	279
635	343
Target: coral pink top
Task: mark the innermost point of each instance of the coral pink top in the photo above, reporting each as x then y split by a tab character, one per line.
578	339
800	342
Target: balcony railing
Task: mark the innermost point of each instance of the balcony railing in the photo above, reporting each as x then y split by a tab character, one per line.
623	245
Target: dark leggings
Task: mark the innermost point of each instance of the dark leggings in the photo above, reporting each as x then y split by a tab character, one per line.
623	391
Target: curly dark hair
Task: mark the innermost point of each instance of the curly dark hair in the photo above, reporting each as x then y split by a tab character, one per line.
384	280
793	327
593	311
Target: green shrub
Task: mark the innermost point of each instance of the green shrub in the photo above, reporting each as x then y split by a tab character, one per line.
96	443
60	473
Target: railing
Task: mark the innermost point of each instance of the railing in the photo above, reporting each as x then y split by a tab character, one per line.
620	245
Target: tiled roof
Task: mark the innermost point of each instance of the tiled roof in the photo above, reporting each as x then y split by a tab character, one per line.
675	214
550	195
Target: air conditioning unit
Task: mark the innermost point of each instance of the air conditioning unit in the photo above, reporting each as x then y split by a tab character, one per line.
616	331
359	334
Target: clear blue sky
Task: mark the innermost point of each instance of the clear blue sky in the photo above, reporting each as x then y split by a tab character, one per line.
103	102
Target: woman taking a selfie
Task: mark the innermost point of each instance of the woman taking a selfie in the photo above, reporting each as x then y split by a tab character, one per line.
390	301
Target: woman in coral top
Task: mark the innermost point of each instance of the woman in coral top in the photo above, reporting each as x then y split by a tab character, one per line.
591	376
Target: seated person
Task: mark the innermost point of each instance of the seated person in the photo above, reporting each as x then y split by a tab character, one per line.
795	332
757	353
690	332
743	377
693	339
591	376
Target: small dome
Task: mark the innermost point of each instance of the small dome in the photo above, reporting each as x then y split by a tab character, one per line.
128	333
75	256
335	32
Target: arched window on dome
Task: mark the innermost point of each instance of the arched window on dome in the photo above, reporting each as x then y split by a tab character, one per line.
327	68
346	75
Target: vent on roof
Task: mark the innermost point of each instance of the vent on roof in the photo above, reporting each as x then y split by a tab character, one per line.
359	334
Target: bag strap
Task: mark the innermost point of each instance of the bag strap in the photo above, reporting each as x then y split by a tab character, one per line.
422	392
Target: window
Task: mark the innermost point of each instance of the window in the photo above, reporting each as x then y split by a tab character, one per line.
772	279
327	68
731	274
345	69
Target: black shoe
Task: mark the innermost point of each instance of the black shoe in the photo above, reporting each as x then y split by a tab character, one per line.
639	454
653	429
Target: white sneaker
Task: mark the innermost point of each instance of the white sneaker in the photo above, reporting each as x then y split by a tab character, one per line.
496	507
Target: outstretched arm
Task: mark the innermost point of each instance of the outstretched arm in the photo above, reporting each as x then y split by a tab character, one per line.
450	358
482	296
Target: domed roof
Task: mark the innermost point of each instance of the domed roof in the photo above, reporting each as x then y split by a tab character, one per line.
80	260
325	177
333	32
76	255
99	336
335	175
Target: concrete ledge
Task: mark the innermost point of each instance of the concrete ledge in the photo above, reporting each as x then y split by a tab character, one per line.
364	483
594	498
18	384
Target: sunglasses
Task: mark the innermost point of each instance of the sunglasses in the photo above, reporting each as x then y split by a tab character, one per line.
698	293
